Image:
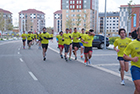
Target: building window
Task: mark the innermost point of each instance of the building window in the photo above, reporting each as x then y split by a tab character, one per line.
77	6
67	11
73	2
114	21
67	15
113	24
80	2
77	2
67	1
73	6
70	2
67	6
84	11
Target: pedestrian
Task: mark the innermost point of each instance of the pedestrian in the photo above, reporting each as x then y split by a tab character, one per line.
45	37
67	40
87	43
24	35
133	49
122	43
81	43
70	50
60	43
29	39
76	45
39	41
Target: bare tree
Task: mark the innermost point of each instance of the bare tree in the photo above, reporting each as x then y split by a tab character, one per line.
85	19
29	24
78	20
69	23
2	22
130	15
9	25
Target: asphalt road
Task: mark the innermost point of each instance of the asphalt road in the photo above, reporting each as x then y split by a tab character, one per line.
24	72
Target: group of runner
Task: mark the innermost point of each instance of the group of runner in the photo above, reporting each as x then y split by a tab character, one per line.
72	41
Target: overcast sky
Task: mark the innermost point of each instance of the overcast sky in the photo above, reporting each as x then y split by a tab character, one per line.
50	6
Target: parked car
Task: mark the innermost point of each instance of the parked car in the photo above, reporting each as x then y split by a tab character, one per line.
99	41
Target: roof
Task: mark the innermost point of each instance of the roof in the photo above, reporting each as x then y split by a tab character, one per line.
109	14
58	12
137	5
31	11
5	11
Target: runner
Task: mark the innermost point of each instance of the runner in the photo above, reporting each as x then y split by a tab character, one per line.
60	43
81	44
76	45
134	49
70	50
67	40
24	35
29	39
45	37
122	43
39	41
52	35
87	43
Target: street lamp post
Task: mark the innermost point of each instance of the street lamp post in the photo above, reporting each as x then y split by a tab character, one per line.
105	28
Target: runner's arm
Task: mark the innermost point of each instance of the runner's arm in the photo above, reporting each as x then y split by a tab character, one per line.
135	59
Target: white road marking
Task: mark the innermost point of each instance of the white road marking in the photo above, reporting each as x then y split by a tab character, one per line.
33	76
18	52
98	67
21	60
8	42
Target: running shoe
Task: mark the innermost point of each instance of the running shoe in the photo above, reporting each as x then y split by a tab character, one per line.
23	47
66	59
61	56
69	59
122	82
89	62
75	58
85	61
44	58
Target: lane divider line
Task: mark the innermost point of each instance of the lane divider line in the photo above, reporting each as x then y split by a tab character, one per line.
21	60
100	68
33	76
18	52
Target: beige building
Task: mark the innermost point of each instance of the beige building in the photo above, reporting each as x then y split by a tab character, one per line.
5	20
79	13
31	20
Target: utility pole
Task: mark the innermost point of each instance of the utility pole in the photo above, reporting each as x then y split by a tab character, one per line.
105	28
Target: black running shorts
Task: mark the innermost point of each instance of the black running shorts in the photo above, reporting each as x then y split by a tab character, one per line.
45	46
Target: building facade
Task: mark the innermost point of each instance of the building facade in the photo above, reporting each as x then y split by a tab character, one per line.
134	20
112	22
79	13
31	20
58	21
5	20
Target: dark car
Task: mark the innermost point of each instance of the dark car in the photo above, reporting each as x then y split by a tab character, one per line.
99	41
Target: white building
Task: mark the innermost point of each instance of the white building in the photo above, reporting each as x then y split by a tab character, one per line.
112	22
